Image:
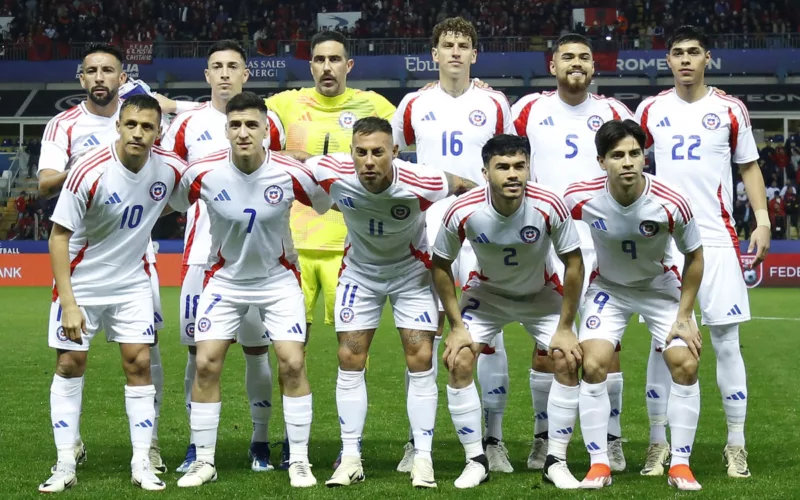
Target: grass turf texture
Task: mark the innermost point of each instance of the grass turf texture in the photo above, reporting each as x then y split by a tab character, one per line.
27	450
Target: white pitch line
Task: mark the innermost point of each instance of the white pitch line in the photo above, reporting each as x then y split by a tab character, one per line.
773	318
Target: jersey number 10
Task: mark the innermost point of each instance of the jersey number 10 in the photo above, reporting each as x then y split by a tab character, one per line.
132	216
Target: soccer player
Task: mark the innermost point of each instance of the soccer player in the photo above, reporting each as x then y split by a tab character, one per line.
248	193
194	135
111	200
561	126
633	217
512	223
696	134
449	123
383	201
75	132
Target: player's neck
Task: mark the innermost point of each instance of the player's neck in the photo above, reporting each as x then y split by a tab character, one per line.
218	103
107	111
627	195
504	206
249	164
691	93
132	163
572	98
454	86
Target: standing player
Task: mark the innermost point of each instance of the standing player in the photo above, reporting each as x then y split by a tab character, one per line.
696	134
512	223
248	192
633	218
102	222
383	201
561	126
73	133
194	135
450	123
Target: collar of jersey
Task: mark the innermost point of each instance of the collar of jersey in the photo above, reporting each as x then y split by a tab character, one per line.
332	102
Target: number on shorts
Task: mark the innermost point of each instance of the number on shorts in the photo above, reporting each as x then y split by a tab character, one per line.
472	305
510	254
252	213
352	295
217	298
629	246
190	310
600	299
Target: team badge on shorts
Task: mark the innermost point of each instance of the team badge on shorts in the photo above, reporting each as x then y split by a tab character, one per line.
529	234
594	123
273	195
477	118
346	315
158	191
60	335
400	212
711	121
203	325
347	119
648	228
190	330
592	322
754	276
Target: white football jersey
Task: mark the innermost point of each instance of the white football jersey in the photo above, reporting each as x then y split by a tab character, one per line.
249	214
632	242
111	211
511	251
450	131
695	144
388	228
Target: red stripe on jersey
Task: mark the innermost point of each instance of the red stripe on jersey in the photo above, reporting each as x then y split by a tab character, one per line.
614	113
288	265
435	178
424	257
72	265
180	148
499	126
216	267
194	189
300	193
620	103
462	227
85	169
737	102
465	201
217	156
555	280
549	197
421	184
344	168
521	123
184	271
274	136
419	179
165	152
686	214
343	266
69	139
645	114
291	162
678	197
190	241
476	275
424	203
326	184
726	218
580	187
670	220
546	219
70	114
408	127
146	265
734	137
577	210
92	191
82	164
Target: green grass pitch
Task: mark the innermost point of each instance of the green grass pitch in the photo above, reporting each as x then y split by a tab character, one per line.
770	349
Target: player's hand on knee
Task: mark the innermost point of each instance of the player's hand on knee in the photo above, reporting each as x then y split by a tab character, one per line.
565	342
457	339
686	330
73	322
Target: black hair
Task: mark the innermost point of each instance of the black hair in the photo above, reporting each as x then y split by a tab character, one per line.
141	101
245	100
329	36
505	145
571	38
612	132
688	32
104	48
372	124
223	45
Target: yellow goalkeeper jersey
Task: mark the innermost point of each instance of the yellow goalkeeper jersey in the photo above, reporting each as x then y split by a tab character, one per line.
321	125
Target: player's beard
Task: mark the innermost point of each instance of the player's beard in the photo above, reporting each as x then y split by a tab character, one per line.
575	87
103	101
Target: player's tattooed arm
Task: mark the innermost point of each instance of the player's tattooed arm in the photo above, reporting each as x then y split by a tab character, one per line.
458	185
685	328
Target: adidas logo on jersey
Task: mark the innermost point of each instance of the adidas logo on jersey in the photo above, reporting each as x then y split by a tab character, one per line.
481	238
114	198
600	224
204	137
295	329
346	202
664	123
547	121
222	196
423	318
735	311
92	141
429	117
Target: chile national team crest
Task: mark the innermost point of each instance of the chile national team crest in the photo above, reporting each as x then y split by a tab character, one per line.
529	234
400	212
711	121
592	322
594	123
754	276
346	315
648	228
158	191
477	118
204	324
60	335
273	195
347	119
190	330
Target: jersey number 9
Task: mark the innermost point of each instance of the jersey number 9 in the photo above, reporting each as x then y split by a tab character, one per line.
629	246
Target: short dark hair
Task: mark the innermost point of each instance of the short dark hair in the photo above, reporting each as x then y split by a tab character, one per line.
505	145
141	101
571	38
245	100
223	45
329	36
457	25
614	131
688	32
104	48
370	125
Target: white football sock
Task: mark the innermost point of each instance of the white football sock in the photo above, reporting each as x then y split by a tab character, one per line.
423	398
351	402
297	412
683	413
258	380
465	411
66	395
540	384
614	388
657	389
410	430
594	407
493	379
188	382
562	410
157	375
204	422
436	359
139	404
731	379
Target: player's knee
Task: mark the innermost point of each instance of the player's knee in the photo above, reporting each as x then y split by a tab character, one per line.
137	363
684	368
351	360
594	369
464	364
420	360
70	364
209	366
292	367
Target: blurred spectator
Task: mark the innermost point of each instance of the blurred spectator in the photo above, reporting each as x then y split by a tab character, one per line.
12	232
773	190
747	221
25	226
34	149
21	204
777	217
792	203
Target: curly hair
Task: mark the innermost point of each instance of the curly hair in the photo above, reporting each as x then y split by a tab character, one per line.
457	26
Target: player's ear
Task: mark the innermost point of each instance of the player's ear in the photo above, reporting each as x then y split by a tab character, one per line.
118	127
485	173
350	64
708	57
602	161
246	75
474	56
395	151
205	72
553	66
435	54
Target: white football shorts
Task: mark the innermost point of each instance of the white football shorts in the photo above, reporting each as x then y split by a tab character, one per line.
124	323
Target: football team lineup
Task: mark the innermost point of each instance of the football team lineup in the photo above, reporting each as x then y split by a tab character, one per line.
543	215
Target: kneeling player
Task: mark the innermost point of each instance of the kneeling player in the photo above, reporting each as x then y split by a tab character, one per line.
633	216
248	193
512	223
